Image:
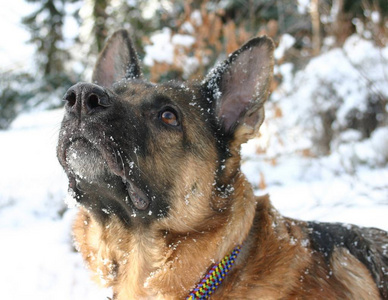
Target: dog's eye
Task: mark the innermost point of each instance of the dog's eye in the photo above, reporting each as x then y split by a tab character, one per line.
169	117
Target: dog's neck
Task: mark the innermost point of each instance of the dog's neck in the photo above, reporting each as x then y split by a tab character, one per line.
202	249
149	262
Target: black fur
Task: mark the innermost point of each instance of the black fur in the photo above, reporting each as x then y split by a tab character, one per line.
366	244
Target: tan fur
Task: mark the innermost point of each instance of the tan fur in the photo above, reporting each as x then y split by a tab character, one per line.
354	275
276	261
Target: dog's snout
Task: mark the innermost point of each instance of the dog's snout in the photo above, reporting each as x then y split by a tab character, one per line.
86	98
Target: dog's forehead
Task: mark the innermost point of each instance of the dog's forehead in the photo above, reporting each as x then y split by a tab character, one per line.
143	93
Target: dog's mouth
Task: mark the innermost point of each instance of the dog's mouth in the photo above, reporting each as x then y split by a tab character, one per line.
88	165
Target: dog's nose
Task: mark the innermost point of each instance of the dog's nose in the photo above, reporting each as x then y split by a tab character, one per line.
86	98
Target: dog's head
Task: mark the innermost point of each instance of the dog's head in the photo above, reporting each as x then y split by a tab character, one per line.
143	152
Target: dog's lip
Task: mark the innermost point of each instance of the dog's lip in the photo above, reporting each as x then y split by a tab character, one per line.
64	147
137	196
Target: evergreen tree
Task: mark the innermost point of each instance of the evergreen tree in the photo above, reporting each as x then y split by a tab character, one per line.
100	17
45	26
14	94
128	14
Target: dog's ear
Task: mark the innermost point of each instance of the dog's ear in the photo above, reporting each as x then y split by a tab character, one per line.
118	60
239	86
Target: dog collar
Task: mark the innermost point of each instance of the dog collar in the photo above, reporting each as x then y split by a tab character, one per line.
214	277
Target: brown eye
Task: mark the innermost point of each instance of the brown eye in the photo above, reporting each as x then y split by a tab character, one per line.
168	117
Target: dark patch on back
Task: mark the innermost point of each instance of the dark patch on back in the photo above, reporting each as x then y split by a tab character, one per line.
368	245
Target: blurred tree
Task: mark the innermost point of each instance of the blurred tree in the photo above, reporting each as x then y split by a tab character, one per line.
216	28
129	15
316	25
220	27
13	96
44	88
45	26
100	17
345	15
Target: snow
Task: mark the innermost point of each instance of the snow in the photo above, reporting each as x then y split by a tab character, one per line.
184	40
187	28
303	6
375	16
339	80
37	252
196	18
286	42
320	189
161	50
176	49
15	53
349	185
170	49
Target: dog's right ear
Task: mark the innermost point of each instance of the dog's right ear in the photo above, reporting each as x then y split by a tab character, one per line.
118	60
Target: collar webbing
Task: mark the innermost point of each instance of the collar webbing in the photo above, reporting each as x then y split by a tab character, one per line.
214	277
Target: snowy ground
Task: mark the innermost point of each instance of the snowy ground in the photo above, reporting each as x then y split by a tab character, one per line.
35	230
37	257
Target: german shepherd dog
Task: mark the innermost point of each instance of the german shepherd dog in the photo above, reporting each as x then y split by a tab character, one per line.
165	211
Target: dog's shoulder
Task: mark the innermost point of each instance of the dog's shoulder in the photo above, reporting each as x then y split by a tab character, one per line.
340	249
368	245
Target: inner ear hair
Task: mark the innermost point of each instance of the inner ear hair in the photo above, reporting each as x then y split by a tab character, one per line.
118	60
239	86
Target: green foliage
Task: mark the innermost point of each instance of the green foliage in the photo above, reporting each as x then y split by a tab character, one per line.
100	17
13	96
20	92
356	8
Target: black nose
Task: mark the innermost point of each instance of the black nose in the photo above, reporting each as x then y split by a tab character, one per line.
86	98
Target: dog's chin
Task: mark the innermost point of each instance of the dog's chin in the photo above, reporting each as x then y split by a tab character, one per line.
90	171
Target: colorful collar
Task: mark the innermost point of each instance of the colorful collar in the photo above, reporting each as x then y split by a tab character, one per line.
214	277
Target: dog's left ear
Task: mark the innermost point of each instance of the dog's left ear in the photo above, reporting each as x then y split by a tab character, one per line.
118	60
239	87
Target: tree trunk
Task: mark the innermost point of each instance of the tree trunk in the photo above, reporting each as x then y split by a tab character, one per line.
316	26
